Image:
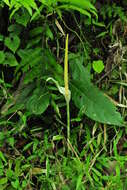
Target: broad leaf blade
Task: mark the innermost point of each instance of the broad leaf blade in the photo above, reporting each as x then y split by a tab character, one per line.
98	66
81	6
10	60
39	101
18	100
94	103
23	18
90	99
12	42
77	68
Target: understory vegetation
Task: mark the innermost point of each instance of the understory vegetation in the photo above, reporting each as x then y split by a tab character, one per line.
63	89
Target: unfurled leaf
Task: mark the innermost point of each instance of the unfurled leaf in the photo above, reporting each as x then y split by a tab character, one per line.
7	2
79	72
82	11
53	68
36	31
10	60
3	180
28	5
98	66
15	184
81	6
90	99
23	18
39	101
19	100
12	42
15	29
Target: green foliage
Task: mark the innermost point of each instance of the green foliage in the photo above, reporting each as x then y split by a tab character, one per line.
8	59
23	18
33	143
12	42
98	66
2	56
39	101
113	11
82	7
16	5
89	99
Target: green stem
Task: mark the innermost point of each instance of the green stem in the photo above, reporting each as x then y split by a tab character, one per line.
68	120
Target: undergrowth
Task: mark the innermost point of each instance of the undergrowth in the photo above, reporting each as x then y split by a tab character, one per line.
63	94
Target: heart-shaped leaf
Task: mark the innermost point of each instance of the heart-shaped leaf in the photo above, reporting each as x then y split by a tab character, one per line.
98	66
12	42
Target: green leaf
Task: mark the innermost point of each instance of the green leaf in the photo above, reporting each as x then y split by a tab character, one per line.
82	11
36	14
30	58
1	37
96	23
2	56
16	29
102	34
10	60
3	180
22	18
76	61
7	2
2	157
39	101
49	33
81	6
12	42
79	182
57	137
36	31
11	141
1	166
98	66
15	184
9	173
91	100
19	100
54	69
